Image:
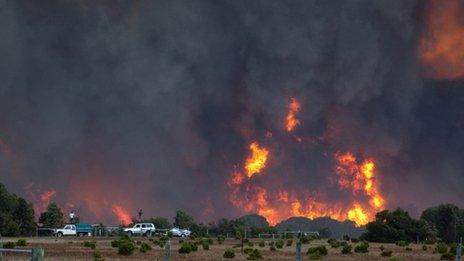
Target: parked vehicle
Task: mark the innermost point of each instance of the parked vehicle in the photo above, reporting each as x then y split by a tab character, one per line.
74	230
177	232
142	229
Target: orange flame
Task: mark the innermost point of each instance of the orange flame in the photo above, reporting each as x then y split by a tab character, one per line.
257	160
121	214
357	178
292	121
441	48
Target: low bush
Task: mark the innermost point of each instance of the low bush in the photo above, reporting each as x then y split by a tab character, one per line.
229	253
452	247
91	244
346	249
408	249
362	248
126	248
441	248
9	245
21	242
305	240
315	256
447	256
402	243
185	248
97	256
386	253
289	242
272	248
262	244
220	239
321	250
354	240
205	245
144	247
254	255
115	243
424	247
382	248
250	244
247	250
279	244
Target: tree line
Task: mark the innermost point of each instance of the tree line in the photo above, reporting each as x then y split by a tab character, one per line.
444	222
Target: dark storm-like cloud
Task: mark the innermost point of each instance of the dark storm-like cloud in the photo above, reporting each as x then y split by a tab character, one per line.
162	97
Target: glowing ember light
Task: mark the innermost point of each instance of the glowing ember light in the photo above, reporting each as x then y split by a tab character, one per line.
441	48
257	160
47	196
292	121
358	215
122	215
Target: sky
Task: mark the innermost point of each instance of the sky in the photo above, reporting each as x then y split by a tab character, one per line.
108	107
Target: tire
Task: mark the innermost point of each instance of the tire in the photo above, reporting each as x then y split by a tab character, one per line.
129	233
59	234
183	235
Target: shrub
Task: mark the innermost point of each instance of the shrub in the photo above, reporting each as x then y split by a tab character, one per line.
21	242
115	243
97	256
447	256
9	245
271	243
382	248
362	248
247	250
272	248
314	256
424	247
452	248
346	237
205	245
254	255
441	248
125	247
250	244
321	250
220	239
386	253
185	248
144	247
408	249
354	240
229	253
262	244
279	244
289	242
430	241
91	244
402	243
346	249
305	240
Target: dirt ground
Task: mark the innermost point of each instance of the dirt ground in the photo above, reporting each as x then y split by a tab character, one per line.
71	248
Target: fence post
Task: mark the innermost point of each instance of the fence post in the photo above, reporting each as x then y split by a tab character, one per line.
298	251
37	254
167	251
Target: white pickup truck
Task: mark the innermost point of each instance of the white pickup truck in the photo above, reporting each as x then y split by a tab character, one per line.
142	229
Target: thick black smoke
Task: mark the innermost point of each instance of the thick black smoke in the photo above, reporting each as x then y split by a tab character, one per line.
151	103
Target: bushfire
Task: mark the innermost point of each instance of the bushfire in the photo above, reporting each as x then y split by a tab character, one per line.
292	121
441	48
356	176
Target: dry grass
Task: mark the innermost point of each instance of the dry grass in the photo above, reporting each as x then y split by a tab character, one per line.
70	248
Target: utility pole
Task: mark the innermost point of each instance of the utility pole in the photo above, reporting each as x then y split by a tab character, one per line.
298	251
459	250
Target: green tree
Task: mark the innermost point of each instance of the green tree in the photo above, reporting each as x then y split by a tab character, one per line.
16	215
389	227
160	222
448	219
183	220
52	217
24	217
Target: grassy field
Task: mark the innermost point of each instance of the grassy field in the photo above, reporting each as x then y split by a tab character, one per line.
71	248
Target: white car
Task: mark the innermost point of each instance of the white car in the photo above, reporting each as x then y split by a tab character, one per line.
142	229
177	232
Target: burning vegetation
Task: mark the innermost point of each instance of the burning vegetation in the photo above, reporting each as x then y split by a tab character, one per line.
441	48
357	177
